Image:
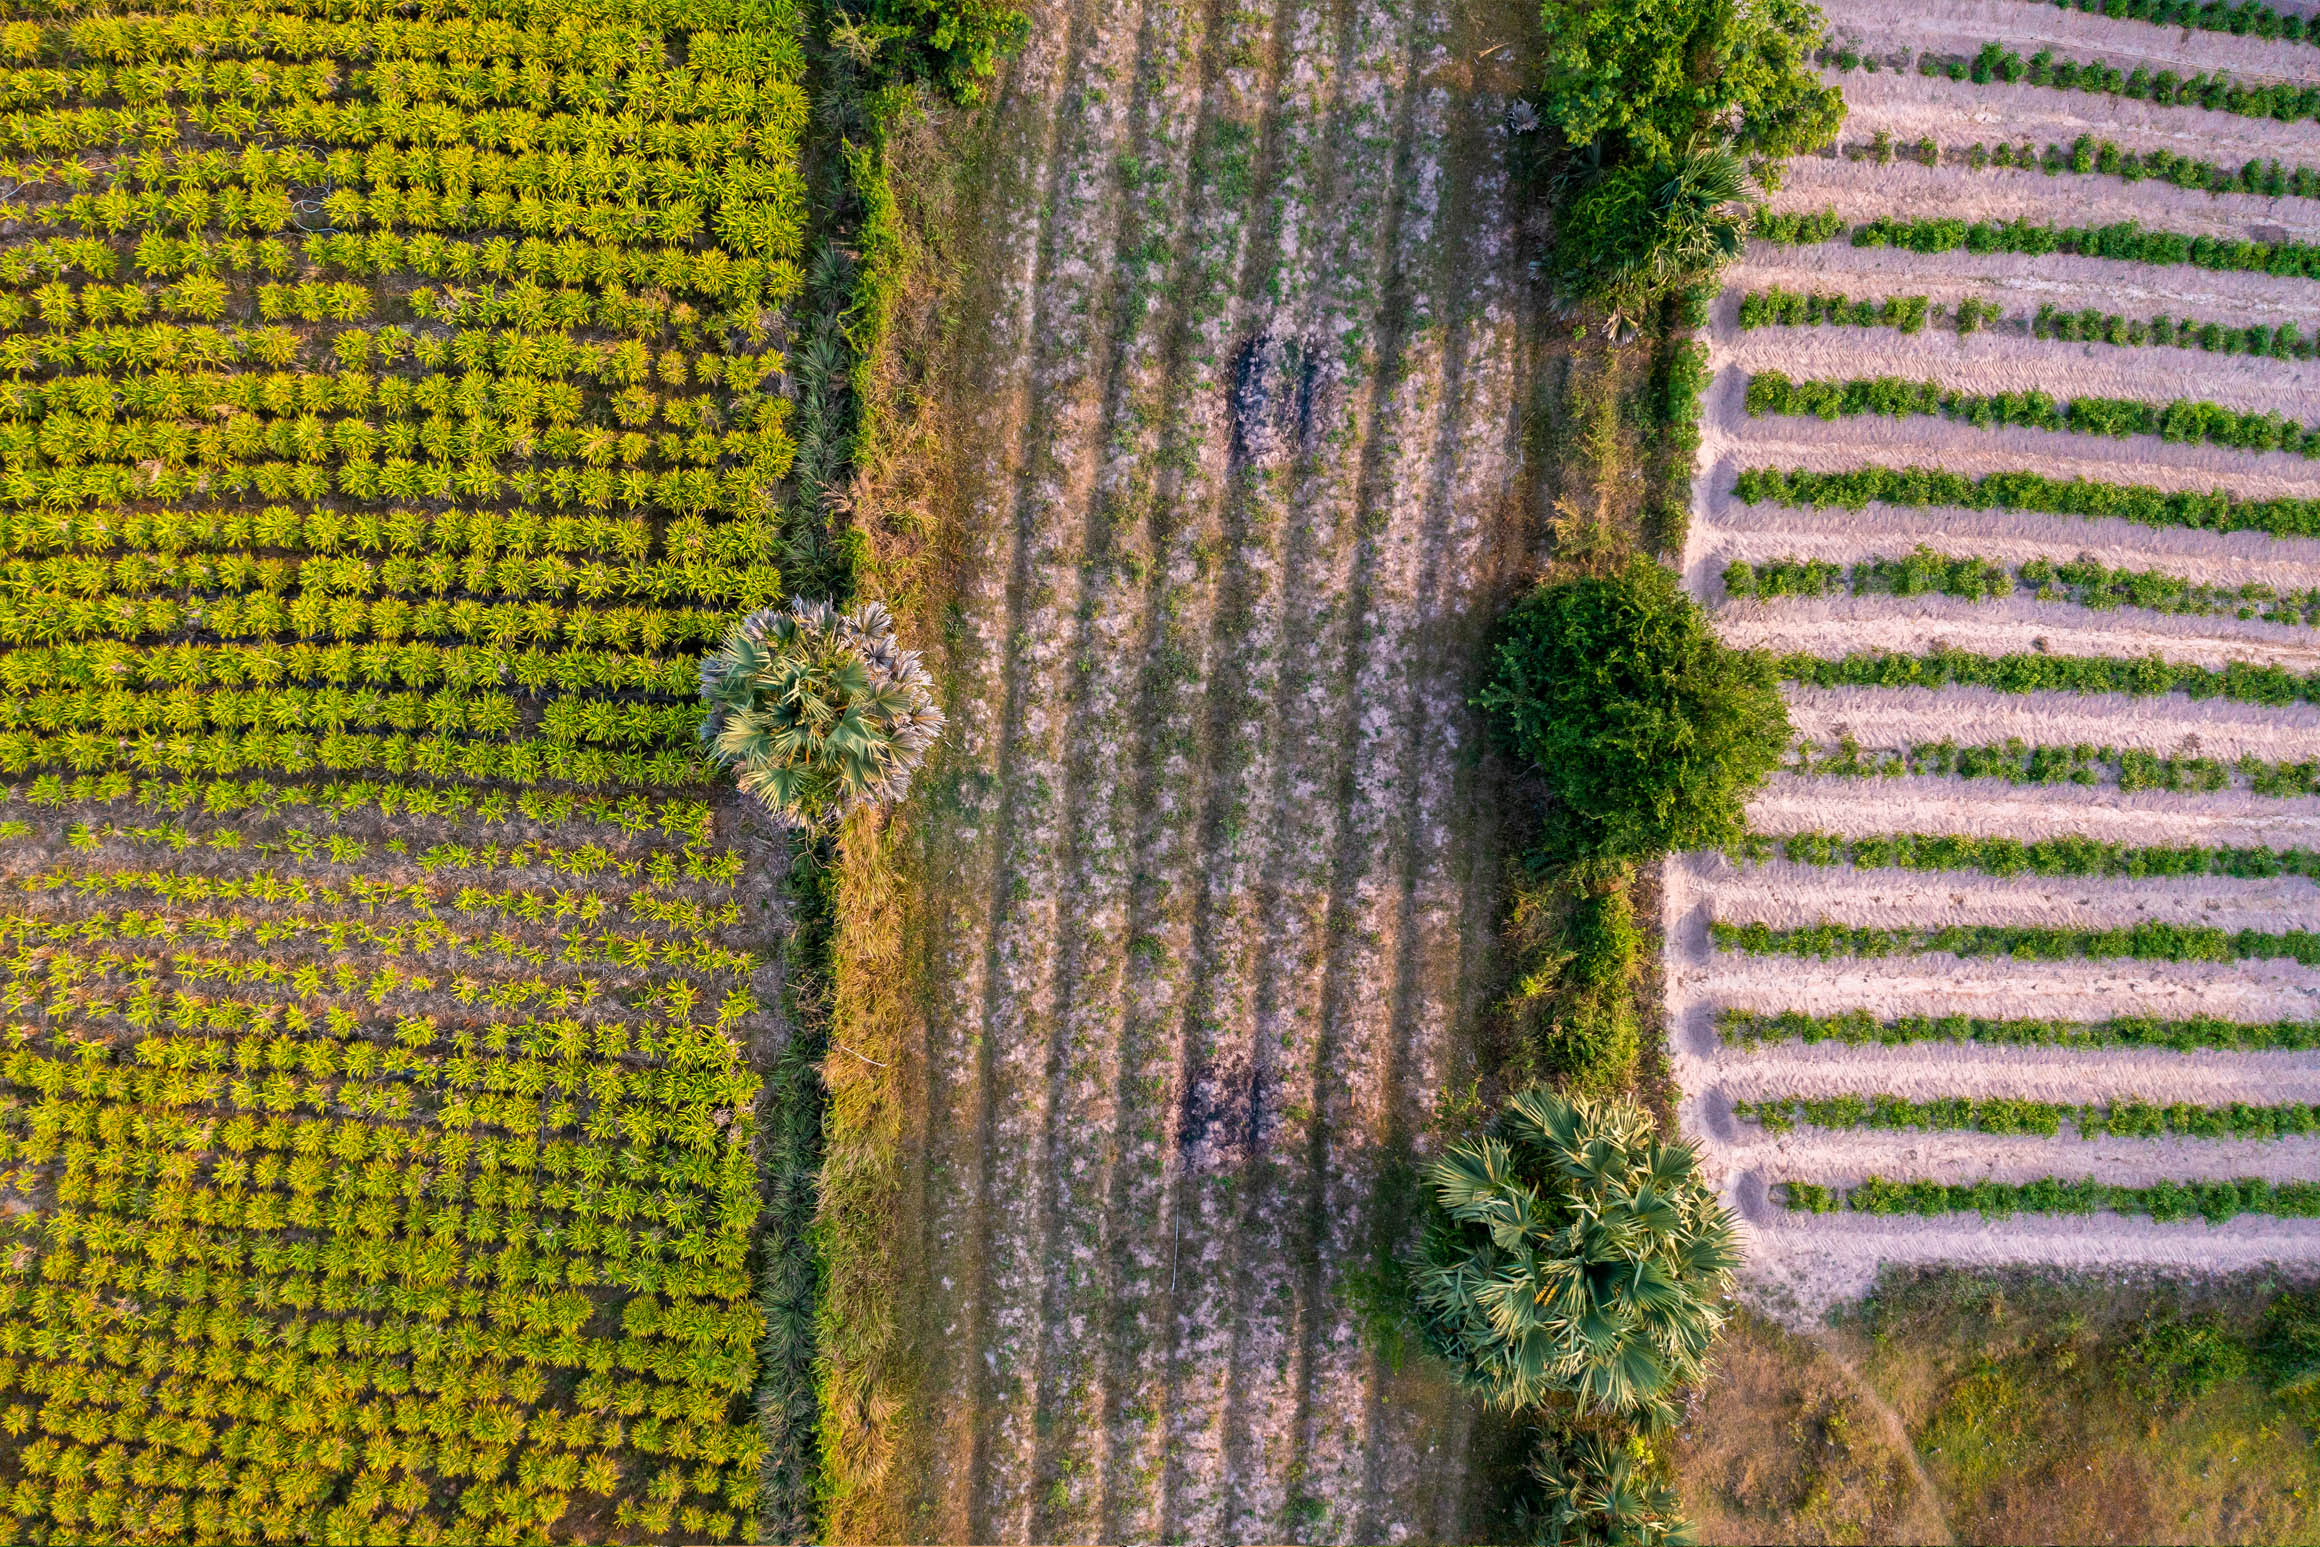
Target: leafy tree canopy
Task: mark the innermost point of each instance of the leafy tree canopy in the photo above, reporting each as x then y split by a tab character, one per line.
1648	729
1652	75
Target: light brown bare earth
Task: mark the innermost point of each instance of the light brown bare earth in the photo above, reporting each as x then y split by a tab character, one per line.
1208	889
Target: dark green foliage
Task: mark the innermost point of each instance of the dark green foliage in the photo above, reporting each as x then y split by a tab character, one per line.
1572	1251
2287	1352
2033	672
2017	762
1651	76
2125	241
1788	308
2070	855
1648	730
1749	1028
2182	421
1640	227
2218	92
955	44
2148	941
2047	1119
1591	1038
2093	326
1591	1490
2246	19
2174	1359
2214	1202
2215	511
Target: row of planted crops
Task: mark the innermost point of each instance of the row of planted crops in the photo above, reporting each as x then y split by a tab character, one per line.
392	402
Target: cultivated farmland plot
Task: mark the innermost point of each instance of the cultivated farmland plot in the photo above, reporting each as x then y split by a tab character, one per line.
1202	901
2024	965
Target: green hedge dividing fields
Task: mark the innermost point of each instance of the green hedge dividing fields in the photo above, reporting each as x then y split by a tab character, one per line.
1859	1028
2214	1202
2148	941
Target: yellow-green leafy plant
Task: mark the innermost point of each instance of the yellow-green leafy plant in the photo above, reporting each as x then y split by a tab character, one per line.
818	712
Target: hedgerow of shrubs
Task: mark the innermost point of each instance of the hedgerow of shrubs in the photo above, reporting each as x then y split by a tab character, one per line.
2083	581
2212	90
2069	855
2148	941
2017	762
2249	18
1860	1028
2125	241
2122	1119
2033	672
2214	1202
2213	511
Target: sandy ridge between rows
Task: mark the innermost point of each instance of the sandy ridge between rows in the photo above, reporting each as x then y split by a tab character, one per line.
1837	626
1759	534
1790	803
1975	716
1845	1157
1926	1071
1800	1265
1907	105
1863	190
2131	289
1963	26
1786	895
1787	442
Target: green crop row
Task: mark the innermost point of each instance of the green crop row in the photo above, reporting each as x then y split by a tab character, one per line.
2249	18
2181	420
337	803
2084	582
2070	855
2038	672
2215	91
2214	511
2214	1202
2147	941
2125	241
2087	155
2017	762
1860	1028
2091	326
2124	1119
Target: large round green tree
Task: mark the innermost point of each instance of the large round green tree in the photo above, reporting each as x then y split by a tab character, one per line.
1572	1250
818	712
1647	728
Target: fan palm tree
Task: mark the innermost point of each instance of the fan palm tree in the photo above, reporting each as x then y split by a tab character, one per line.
819	712
1574	1251
1642	229
1594	1493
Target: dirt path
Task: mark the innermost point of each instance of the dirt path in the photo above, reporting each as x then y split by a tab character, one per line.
1205	903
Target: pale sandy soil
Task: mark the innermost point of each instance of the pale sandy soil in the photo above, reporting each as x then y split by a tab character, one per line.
1963	26
2024	280
1791	803
1908	191
1204	907
1924	1071
1912	625
1959	113
1972	716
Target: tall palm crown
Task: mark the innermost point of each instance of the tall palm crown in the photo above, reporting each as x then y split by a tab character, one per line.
1573	1251
819	712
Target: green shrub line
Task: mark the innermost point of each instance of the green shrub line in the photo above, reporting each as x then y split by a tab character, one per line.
2216	91
2033	672
2018	762
2087	156
2071	855
2083	582
2214	1202
2241	20
2125	241
2091	326
2181	421
2147	941
2030	493
1775	307
2128	1118
1860	1028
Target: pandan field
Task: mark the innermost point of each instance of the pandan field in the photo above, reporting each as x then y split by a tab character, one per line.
961	771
